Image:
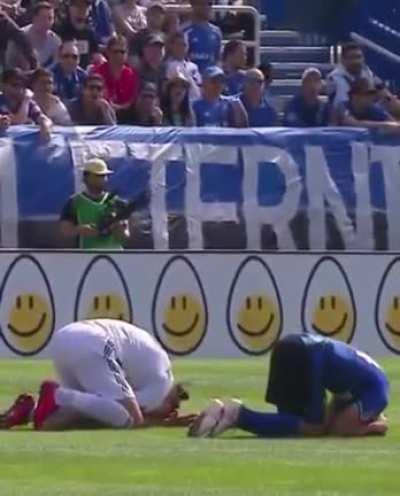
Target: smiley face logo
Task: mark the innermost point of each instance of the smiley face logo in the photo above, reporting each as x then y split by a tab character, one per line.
103	292
27	313
387	307
328	306
254	310
179	310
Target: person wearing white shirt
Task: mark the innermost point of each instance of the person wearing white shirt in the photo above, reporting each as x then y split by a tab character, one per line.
177	64
351	68
110	372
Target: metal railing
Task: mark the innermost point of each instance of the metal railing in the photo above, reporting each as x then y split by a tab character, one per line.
246	9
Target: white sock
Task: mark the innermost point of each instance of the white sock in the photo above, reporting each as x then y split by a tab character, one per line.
104	410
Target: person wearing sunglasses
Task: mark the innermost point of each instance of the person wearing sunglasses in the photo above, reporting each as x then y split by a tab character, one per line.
68	77
259	111
121	81
91	108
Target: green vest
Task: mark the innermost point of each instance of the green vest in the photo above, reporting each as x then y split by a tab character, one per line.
91	212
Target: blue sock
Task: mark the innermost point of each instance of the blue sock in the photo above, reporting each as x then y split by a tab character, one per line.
268	424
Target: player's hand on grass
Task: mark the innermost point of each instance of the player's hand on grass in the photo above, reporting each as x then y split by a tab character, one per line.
179	420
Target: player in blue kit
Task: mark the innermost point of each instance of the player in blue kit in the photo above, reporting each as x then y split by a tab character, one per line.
303	369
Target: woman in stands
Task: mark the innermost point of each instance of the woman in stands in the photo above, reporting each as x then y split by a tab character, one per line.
175	103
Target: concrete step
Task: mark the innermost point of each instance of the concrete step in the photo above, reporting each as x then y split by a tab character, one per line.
294	70
280	38
285	86
311	55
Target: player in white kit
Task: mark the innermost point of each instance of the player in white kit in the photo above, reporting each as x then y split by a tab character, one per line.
110	372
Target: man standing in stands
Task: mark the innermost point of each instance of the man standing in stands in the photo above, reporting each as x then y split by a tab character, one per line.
84	212
204	38
43	40
351	68
68	76
215	109
11	32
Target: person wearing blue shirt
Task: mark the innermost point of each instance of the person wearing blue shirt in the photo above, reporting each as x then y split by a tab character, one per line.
303	369
234	59
203	37
215	109
307	109
101	19
363	111
68	76
259	111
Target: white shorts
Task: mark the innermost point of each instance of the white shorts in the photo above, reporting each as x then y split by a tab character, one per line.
88	362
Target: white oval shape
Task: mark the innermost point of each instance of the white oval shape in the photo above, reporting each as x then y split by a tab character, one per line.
254	309
179	310
103	292
387	307
328	306
27	313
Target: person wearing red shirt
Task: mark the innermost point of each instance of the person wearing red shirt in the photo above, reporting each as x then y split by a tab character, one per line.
121	81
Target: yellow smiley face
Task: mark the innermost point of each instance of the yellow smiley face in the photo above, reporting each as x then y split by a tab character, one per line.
184	322
108	306
333	317
30	323
392	321
258	322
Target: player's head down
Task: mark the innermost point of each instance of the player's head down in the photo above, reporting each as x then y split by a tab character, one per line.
172	401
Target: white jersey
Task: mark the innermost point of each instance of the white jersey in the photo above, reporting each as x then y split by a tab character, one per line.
113	358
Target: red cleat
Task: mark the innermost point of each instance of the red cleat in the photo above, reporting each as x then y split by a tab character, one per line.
46	404
19	412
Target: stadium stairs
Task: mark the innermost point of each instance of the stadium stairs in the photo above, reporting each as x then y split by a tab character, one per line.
290	53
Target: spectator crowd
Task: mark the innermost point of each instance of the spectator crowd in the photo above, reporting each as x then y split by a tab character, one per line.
136	62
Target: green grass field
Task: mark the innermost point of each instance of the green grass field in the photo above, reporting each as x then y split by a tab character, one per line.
164	462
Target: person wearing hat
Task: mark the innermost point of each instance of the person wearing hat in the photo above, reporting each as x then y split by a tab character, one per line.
84	212
17	105
175	102
363	111
151	68
76	26
146	111
214	109
306	109
259	111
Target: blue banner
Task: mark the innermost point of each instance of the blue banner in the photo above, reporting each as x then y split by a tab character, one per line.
214	188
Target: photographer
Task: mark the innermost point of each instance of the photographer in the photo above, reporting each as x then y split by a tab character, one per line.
85	212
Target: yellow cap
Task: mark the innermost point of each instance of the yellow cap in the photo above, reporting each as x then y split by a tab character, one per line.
97	166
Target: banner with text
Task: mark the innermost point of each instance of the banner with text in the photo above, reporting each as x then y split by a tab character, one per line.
222	304
323	189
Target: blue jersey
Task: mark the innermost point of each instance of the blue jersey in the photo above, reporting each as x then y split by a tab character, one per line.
371	113
299	113
204	42
68	87
216	114
329	365
234	82
261	116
